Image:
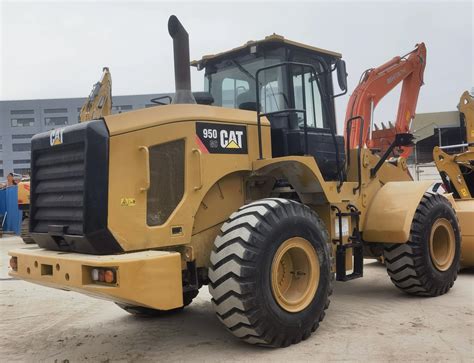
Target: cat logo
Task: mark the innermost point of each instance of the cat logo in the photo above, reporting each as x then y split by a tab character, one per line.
56	137
216	138
231	139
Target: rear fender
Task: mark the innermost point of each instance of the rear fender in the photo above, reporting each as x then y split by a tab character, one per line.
301	172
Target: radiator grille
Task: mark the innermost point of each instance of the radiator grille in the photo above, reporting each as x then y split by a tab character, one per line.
58	192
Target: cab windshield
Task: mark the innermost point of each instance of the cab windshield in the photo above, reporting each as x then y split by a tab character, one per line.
232	84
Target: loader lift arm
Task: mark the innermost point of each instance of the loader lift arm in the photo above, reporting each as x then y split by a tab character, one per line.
374	85
99	102
457	170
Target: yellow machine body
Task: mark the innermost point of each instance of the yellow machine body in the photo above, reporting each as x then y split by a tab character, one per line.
465	212
457	172
140	275
215	186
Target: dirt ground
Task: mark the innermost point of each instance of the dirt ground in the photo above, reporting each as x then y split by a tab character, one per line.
368	320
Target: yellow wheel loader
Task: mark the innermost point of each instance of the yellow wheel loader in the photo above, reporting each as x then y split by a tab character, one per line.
457	172
255	196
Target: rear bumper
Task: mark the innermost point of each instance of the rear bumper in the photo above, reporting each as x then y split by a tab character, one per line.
149	278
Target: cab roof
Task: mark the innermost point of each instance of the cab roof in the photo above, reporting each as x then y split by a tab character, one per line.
274	38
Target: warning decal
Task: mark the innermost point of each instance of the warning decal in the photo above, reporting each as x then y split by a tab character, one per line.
221	139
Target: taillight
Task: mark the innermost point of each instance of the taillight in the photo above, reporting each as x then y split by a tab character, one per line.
109	276
106	275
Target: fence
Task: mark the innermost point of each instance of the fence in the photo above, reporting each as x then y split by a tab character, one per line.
9	212
426	171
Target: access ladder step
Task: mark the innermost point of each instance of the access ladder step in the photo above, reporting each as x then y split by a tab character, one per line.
358	268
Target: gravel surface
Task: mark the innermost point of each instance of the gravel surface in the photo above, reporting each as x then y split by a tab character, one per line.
368	320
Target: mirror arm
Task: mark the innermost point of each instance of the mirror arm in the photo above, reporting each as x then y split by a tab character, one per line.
340	94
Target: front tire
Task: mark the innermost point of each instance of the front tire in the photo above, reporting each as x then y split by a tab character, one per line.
427	265
270	274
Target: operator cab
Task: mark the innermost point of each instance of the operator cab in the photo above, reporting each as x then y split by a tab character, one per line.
295	92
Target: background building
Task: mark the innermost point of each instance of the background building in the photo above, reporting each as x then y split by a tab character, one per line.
436	129
20	120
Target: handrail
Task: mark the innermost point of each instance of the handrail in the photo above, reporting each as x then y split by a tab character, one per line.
348	132
328	113
147	169
199	154
259	115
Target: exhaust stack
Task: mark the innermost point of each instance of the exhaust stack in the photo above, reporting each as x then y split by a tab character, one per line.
182	72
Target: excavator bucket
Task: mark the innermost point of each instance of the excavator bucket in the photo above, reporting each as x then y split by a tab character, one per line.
383	137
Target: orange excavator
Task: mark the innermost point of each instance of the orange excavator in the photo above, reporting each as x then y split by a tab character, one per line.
375	83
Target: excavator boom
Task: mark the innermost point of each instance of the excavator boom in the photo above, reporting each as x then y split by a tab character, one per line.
99	102
374	85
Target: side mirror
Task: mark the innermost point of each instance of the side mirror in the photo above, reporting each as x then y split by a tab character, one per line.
341	74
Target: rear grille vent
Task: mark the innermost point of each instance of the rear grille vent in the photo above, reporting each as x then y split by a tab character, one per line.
58	193
166	181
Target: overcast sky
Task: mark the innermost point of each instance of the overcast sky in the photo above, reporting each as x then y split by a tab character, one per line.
58	49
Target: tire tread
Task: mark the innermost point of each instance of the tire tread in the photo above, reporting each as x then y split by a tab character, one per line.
404	262
232	270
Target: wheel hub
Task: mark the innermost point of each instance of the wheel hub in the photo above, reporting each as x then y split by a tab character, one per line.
442	244
295	274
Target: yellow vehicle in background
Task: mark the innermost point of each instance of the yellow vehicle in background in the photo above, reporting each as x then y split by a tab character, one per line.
24	205
457	172
99	102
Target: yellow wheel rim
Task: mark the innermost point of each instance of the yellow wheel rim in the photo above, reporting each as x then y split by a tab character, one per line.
295	274
442	244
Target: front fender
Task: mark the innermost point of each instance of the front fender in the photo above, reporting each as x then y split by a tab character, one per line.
390	214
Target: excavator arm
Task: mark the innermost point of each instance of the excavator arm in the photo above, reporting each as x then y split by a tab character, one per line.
374	85
99	102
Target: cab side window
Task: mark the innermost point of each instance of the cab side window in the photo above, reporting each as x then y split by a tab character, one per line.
231	90
310	100
273	95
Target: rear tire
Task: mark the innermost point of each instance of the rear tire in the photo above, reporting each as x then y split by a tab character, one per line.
142	311
270	274
25	232
428	263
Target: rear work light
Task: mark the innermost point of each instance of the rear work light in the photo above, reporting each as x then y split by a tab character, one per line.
106	275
